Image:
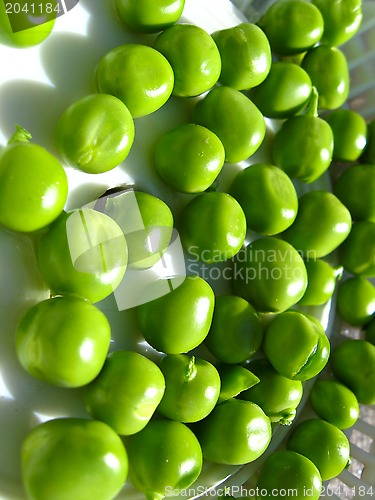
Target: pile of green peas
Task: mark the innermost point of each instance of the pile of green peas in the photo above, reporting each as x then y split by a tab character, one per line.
261	346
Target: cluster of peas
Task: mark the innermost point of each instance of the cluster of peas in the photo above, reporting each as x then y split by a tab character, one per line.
220	410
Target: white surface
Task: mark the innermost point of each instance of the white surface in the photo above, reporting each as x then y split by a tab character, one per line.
36	85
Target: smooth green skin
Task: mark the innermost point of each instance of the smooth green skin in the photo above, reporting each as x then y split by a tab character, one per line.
194	57
36	180
126	392
370	332
285	92
28	37
270	274
192	304
245	56
234	380
145	245
95	133
73	458
212	227
353	363
321	283
296	345
333	85
234	118
335	403
357	253
192	387
263	185
277	395
138	75
244	430
64	341
356	300
292	26
355	188
322	443
202	153
342	19
315	236
176	451
350	132
236	331
286	470
84	253
369	153
303	147
149	16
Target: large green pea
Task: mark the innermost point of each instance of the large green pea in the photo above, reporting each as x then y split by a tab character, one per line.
332	84
285	91
245	56
235	119
321	225
357	253
270	274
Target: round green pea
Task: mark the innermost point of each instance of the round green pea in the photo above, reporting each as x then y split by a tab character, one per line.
194	57
356	300
270	274
212	227
95	134
350	134
357	253
262	185
296	345
334	402
126	392
236	331
292	26
138	75
189	158
285	92
245	55
234	118
332	85
149	16
317	236
355	188
321	282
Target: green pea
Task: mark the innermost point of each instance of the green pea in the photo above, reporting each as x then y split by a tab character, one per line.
355	188
303	145
267	197
245	55
342	19
149	16
138	75
317	236
194	57
126	392
357	253
296	345
285	92
270	274
356	300
332	85
292	26
335	403
350	134
235	119
321	282
95	134
212	227
236	331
